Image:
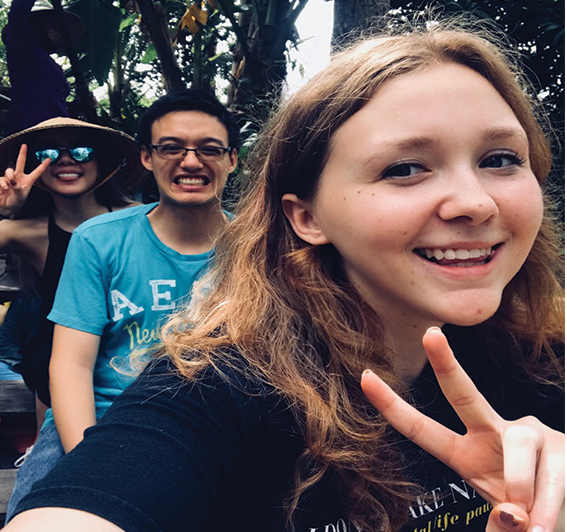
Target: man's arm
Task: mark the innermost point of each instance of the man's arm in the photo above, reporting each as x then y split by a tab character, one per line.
59	520
71	383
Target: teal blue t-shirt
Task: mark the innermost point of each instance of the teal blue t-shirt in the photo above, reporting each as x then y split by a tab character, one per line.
120	282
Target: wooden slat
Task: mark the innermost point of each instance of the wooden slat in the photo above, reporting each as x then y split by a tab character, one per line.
15	398
7	479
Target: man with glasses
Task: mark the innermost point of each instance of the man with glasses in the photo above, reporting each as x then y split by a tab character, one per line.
126	271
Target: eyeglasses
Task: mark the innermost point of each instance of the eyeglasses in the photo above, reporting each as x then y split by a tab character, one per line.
80	154
173	152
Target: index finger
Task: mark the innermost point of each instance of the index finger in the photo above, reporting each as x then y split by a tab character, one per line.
34	175
430	435
21	166
469	404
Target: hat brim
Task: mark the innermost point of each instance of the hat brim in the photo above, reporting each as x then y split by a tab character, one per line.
115	148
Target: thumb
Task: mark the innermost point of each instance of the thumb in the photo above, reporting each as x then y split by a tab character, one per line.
507	517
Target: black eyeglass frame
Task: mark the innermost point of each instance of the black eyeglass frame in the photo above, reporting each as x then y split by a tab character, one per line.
187	150
69	150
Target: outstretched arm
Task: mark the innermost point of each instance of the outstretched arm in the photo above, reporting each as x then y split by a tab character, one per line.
519	463
59	520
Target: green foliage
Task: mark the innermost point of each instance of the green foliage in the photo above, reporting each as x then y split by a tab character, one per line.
149	55
535	27
4	78
98	43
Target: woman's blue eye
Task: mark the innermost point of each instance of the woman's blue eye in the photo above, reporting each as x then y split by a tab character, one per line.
501	160
402	170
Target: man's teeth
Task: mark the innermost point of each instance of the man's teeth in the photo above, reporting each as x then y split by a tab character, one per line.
191	181
461	254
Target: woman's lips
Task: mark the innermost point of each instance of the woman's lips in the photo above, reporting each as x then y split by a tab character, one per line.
67	176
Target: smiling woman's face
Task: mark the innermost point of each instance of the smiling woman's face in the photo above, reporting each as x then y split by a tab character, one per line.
429	197
66	176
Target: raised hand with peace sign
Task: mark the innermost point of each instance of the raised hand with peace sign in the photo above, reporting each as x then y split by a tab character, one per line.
518	466
15	184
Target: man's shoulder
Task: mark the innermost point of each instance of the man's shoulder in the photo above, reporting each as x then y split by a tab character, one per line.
113	221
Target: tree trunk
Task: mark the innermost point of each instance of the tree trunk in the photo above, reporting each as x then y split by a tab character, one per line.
259	62
156	22
351	17
197	78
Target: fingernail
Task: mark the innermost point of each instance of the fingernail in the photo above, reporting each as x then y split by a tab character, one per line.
510	520
367	371
434	329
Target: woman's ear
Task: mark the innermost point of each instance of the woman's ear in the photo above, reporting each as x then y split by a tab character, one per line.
299	214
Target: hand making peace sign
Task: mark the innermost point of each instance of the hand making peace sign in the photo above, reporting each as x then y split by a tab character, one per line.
517	466
15	185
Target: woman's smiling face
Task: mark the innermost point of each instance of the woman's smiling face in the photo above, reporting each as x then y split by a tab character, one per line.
66	176
429	197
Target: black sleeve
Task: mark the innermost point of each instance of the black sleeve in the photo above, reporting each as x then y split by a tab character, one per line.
133	467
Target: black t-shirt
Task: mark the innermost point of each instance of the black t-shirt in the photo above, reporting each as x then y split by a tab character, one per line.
219	455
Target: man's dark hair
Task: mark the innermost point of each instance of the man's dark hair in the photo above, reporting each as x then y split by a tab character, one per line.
187	100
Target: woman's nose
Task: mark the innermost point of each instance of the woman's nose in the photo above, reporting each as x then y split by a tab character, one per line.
468	196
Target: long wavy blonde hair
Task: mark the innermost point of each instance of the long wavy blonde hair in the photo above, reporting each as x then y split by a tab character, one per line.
288	308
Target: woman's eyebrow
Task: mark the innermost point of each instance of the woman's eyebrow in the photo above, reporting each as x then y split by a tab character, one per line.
501	133
413	143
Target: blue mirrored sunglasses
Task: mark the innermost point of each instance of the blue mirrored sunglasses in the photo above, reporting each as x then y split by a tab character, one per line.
80	154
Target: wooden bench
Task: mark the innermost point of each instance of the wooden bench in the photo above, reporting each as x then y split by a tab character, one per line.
15	399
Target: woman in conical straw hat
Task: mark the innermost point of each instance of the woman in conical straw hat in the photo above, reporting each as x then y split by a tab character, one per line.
58	174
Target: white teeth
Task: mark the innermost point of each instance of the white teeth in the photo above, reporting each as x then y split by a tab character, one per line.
460	254
192	181
67	175
438	254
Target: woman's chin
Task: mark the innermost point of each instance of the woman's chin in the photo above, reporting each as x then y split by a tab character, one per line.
469	315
